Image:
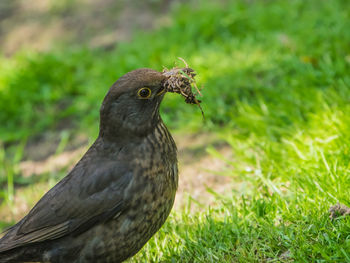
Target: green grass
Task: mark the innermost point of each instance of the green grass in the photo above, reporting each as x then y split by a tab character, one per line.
277	89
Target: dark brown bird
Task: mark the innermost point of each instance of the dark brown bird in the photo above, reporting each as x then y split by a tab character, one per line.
117	196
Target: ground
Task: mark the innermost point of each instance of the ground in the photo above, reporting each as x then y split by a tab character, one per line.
276	102
39	26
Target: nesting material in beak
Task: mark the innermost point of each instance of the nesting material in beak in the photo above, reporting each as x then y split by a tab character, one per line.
181	80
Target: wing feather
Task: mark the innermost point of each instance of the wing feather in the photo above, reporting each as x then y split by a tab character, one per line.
88	195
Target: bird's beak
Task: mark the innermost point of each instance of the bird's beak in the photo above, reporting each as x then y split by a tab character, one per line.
161	91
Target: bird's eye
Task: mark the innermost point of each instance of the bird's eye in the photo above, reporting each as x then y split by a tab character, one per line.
144	93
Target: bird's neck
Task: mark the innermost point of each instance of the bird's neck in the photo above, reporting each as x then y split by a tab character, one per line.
115	132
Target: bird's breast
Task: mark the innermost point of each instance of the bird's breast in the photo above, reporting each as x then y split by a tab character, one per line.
156	160
154	186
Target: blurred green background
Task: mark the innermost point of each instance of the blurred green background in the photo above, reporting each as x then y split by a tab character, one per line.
276	93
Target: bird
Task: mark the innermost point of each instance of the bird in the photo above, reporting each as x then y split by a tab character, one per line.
120	192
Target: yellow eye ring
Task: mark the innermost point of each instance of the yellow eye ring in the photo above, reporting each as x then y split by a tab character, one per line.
144	93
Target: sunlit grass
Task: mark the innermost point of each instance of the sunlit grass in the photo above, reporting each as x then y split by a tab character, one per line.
288	181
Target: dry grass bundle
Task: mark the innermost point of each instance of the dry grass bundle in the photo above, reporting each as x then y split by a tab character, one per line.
181	81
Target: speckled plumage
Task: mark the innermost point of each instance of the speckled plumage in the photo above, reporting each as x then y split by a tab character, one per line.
117	196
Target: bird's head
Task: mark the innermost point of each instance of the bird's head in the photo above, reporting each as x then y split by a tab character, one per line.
131	106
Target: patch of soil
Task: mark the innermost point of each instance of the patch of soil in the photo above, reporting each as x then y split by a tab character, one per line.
338	210
44	146
53	163
41	24
285	257
199	171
